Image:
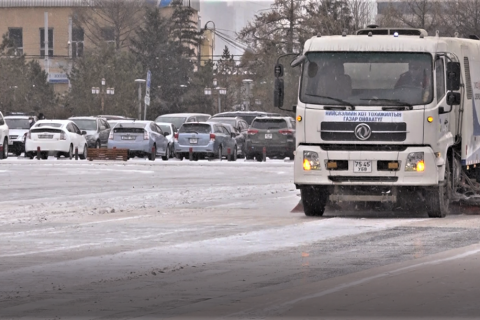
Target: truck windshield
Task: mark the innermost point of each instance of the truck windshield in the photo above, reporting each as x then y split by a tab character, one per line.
367	79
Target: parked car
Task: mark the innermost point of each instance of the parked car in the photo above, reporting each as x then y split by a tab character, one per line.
180	118
248	116
113	117
171	130
240	128
141	138
97	129
55	137
276	134
206	139
18	129
3	138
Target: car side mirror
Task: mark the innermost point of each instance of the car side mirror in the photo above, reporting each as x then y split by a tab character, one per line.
165	134
84	133
453	76
102	128
233	134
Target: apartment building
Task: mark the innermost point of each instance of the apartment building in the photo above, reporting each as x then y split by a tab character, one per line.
24	22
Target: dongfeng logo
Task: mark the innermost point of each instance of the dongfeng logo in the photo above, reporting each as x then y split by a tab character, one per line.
363	131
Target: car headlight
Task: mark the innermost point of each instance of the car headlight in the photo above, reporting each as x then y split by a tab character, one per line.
415	162
311	161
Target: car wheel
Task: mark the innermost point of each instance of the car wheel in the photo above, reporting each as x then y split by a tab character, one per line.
4	154
153	155
167	154
70	152
97	145
44	155
259	157
83	156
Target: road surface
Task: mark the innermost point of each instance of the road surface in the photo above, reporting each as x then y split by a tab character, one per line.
210	240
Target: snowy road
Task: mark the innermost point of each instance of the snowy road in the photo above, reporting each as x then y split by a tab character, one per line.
217	240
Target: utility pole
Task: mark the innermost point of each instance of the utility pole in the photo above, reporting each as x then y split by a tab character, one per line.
140	81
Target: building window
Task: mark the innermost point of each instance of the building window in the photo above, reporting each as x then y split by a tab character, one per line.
16	36
50	42
77	42
108	34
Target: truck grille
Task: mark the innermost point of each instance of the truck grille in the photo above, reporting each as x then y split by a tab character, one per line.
379	131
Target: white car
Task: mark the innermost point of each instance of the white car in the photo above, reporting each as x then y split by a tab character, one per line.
18	127
55	137
3	137
171	130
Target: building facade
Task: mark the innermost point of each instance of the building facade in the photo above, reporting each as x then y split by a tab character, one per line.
25	22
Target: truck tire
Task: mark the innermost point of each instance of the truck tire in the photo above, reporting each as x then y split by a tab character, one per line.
438	198
314	201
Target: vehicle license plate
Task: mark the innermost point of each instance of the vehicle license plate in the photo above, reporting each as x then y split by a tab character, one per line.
268	136
362	166
45	136
128	137
193	140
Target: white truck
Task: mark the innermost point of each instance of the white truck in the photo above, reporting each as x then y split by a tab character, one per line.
388	115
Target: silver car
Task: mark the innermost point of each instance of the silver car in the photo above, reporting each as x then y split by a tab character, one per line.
171	130
141	138
205	140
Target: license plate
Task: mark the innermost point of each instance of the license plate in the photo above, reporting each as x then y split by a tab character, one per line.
268	136
128	137
45	136
193	140
362	166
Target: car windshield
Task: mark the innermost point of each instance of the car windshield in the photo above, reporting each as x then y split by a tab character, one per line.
195	128
48	124
177	121
18	123
88	125
269	124
367	78
166	128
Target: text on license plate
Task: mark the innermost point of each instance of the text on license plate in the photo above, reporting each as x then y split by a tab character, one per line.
193	140
45	136
128	137
268	136
362	166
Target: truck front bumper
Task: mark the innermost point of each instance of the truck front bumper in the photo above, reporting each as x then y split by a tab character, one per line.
377	177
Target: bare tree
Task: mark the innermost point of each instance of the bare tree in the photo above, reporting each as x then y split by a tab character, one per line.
109	20
362	11
464	17
424	14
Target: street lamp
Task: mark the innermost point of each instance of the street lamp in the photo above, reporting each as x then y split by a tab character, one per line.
101	91
140	81
247	93
220	92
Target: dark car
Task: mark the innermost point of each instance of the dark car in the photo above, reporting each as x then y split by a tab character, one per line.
240	126
248	116
98	130
276	134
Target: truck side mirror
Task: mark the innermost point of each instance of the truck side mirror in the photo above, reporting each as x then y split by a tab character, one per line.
453	98
278	93
279	70
453	76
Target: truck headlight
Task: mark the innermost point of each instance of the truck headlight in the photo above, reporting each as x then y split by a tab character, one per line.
415	162
310	161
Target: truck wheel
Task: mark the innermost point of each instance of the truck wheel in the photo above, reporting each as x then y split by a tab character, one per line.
314	201
438	198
